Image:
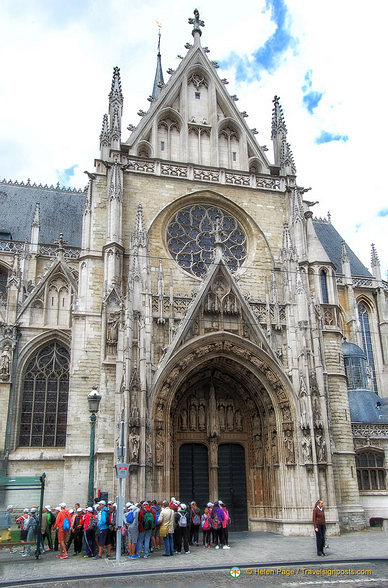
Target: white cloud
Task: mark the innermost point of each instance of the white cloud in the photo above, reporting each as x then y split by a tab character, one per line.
58	60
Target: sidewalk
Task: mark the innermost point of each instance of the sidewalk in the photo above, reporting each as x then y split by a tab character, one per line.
247	549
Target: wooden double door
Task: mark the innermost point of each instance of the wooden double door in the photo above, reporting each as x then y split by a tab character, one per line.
195	481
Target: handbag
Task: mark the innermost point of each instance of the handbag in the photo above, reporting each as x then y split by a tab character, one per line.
164	530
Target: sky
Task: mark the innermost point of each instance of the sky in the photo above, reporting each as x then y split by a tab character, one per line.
326	60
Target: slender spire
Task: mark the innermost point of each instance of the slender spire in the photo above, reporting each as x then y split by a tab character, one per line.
159	81
115	95
282	150
375	263
116	101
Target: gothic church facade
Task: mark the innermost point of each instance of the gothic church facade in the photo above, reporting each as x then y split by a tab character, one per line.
199	294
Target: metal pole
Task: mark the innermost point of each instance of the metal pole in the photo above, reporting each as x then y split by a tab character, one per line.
93	419
39	538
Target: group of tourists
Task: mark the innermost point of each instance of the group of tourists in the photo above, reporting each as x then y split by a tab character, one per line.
92	529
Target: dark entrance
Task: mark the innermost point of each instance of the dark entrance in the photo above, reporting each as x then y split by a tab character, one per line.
194	474
232	483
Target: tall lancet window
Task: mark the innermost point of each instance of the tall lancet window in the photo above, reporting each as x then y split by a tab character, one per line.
3	284
367	341
324	291
45	398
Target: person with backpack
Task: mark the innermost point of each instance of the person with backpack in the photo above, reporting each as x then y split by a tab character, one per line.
46	527
155	537
132	523
225	524
21	523
166	524
63	524
206	527
217	518
103	528
195	523
89	524
146	525
183	523
32	530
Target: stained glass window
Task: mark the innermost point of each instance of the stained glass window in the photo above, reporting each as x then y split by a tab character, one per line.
45	397
367	341
191	238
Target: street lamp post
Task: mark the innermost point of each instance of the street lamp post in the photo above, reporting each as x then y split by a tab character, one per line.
94	402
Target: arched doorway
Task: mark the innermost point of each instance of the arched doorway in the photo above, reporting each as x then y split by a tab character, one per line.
228	393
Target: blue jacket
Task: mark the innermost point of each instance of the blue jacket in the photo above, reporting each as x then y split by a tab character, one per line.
104	521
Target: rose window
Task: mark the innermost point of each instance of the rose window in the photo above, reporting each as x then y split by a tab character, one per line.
192	234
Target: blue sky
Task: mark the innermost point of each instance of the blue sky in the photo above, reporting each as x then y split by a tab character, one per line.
58	57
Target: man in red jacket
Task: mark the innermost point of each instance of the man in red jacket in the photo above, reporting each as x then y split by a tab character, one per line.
63	514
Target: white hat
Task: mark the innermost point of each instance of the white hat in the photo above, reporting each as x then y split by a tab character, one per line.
209	504
102	502
25	510
129	504
110	502
10	507
79	509
71	510
183	506
48	507
63	505
57	508
89	509
114	504
33	510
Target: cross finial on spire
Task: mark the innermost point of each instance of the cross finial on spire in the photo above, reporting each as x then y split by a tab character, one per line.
197	22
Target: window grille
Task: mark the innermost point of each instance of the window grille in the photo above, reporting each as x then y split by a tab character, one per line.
367	342
191	238
45	397
370	471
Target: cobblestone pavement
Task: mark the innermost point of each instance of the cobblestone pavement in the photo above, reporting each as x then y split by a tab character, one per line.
265	560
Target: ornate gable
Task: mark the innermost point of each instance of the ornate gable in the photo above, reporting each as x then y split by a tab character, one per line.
183	125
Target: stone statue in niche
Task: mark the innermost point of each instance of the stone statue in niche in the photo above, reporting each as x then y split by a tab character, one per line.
316	411
183	420
201	417
193	416
238	420
135	446
286	413
306	449
112	331
304	423
274	447
229	417
258	448
5	363
320	445
159	412
221	415
159	447
289	447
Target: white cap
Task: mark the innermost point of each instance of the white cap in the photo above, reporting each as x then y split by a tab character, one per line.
79	509
102	502
57	508
89	509
63	505
129	504
209	504
33	510
25	510
183	506
48	507
10	507
71	510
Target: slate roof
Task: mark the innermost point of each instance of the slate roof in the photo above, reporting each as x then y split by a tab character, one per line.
332	243
60	212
